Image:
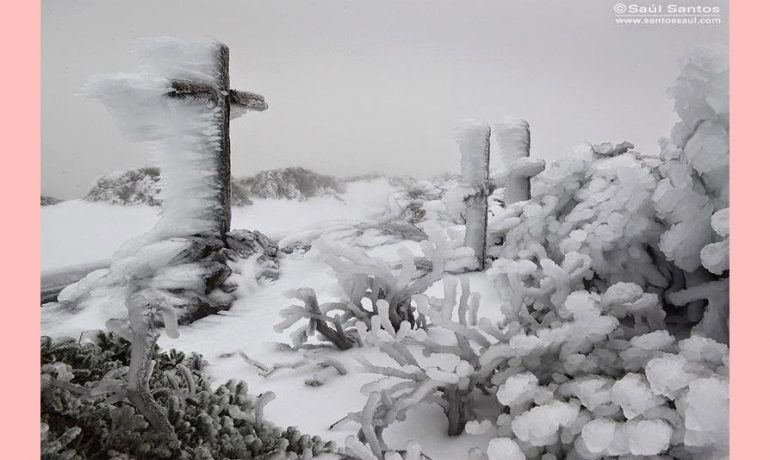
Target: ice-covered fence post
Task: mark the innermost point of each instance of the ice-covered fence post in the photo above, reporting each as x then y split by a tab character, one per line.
513	140
472	137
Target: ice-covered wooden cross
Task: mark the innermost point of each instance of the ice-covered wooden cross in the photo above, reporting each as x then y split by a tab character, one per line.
181	103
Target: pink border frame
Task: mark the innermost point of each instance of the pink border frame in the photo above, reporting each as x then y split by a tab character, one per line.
20	188
750	318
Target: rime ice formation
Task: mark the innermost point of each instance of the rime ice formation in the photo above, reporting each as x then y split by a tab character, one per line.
504	449
597	330
611	283
183	133
695	183
290	183
513	141
143	186
472	137
135	186
179	268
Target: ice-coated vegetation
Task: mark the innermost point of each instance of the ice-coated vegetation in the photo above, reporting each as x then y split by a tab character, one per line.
78	421
135	186
290	183
143	185
613	323
597	328
182	133
48	200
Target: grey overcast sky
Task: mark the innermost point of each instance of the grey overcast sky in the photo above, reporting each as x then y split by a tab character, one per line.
360	86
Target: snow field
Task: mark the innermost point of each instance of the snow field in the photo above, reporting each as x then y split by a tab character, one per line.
77	232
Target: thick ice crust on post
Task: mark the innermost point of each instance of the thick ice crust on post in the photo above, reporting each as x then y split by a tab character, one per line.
187	133
189	162
177	59
184	139
473	140
135	102
528	167
513	141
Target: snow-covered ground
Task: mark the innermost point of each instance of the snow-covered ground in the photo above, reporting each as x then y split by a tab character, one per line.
248	328
77	231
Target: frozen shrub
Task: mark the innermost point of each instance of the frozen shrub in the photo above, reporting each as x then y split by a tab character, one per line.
372	289
613	280
79	421
659	222
418	201
504	449
145	292
451	388
49	200
135	186
715	256
598	207
582	376
143	186
289	183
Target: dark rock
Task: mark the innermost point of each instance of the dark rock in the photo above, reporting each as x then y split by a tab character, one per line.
247	243
299	247
215	275
403	229
200	246
48	200
228	287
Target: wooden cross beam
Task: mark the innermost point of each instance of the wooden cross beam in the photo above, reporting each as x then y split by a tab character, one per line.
220	94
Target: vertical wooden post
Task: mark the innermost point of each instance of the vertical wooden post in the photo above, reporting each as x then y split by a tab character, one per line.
223	165
513	139
473	140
